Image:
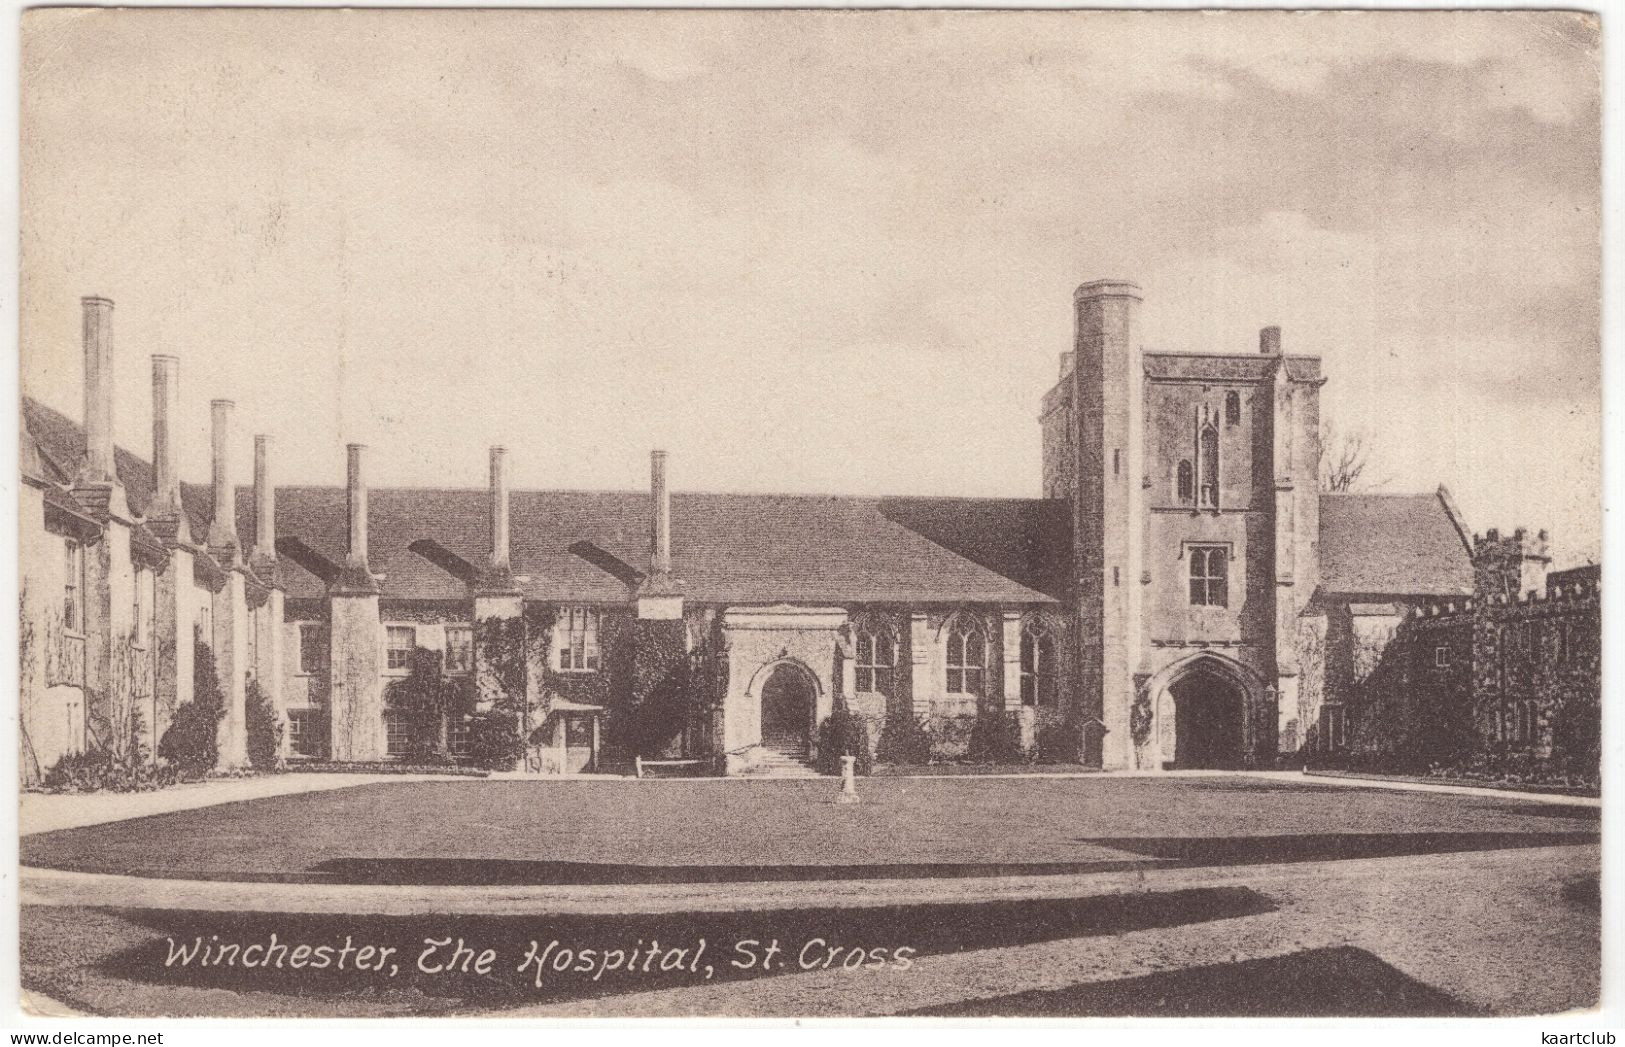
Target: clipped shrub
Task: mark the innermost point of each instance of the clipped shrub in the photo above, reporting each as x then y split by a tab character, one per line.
1059	741
264	729
192	742
494	741
950	737
843	734
904	740
995	738
98	770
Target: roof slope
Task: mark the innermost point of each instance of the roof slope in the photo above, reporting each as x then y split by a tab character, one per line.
593	545
1385	543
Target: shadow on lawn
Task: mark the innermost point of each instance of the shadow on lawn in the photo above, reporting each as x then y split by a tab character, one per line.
805	938
1335	982
1175	852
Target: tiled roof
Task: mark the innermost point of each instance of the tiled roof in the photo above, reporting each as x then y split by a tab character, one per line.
1405	544
593	545
1212	367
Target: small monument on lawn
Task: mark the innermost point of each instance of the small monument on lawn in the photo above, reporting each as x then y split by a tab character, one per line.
849	782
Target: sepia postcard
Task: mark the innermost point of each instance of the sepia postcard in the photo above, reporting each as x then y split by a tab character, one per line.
810	514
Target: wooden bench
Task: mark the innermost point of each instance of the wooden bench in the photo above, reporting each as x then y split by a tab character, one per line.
640	763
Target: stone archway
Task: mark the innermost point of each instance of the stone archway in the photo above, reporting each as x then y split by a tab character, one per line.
1209	722
1204	712
788	693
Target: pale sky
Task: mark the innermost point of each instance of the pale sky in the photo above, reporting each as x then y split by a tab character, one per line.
815	252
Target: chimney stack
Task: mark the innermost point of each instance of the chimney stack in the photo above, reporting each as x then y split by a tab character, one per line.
166	400
264	501
98	339
357	553
660	523
499	508
223	528
1269	341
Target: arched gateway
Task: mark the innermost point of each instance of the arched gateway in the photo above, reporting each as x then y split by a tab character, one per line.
1203	705
789	696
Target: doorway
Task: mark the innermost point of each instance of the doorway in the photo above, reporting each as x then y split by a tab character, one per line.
787	703
1207	722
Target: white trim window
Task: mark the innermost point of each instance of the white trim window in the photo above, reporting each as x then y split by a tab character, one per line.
399	640
1210	570
575	640
305	735
967	656
397	734
876	660
1441	657
459	649
73	586
312	648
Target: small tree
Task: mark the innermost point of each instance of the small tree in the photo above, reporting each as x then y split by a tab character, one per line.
843	734
192	742
995	738
264	728
904	740
1344	459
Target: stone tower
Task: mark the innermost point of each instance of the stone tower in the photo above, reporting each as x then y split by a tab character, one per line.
1107	377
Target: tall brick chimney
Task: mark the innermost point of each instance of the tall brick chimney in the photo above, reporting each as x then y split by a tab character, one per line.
1269	341
499	509
264	502
223	526
98	340
356	490
165	513
660	519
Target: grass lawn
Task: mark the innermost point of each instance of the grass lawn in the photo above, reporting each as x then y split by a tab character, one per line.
695	831
1476	924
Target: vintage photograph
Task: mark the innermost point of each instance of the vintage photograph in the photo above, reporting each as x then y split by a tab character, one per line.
765	513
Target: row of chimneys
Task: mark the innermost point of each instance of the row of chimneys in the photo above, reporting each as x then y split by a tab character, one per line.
166	501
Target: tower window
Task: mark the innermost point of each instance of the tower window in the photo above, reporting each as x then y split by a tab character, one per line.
1210	571
1185	484
1209	463
1232	408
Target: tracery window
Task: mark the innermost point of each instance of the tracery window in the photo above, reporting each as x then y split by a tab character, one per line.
876	660
967	656
1185	485
1038	664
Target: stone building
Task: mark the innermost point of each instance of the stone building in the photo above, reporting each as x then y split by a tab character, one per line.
1175	599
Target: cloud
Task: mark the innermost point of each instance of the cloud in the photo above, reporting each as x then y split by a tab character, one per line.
814	250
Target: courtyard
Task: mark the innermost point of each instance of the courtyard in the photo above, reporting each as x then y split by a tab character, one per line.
1217	894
